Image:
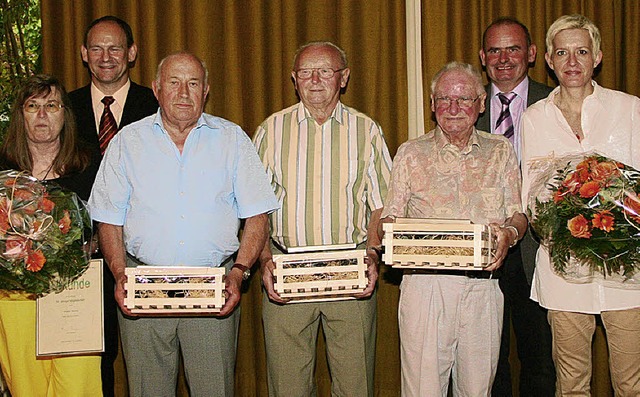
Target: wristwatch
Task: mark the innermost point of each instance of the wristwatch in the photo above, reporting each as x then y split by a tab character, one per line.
246	271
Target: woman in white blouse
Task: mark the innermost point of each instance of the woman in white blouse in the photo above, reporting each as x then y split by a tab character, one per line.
579	116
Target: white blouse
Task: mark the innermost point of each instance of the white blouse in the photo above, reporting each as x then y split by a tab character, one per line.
611	126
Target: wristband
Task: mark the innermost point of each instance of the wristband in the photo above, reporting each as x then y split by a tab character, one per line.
376	249
246	271
515	229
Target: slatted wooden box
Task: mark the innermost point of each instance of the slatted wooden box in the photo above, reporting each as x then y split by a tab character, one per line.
320	276
174	290
437	244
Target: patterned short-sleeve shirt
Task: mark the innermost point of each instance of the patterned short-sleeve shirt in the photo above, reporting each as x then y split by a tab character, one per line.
432	178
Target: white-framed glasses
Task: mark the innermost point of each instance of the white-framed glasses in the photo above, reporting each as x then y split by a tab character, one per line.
463	102
324	73
49	107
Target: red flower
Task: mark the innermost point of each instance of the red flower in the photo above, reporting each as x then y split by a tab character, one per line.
589	189
558	196
604	171
4	221
35	261
579	227
632	206
572	182
65	223
22	195
16	247
604	221
46	205
582	170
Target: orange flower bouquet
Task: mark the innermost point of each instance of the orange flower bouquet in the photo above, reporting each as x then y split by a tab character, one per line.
43	232
586	211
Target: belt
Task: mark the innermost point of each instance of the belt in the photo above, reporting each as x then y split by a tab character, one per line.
482	274
134	261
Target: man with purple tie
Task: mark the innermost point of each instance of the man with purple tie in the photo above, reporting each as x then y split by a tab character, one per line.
507	52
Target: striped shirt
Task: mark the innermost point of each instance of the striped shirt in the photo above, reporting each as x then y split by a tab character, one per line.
327	178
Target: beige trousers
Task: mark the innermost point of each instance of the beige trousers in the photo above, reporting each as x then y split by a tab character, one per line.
572	336
450	327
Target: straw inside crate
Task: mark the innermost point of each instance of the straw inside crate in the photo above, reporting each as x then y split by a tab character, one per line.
172	292
435	250
320	276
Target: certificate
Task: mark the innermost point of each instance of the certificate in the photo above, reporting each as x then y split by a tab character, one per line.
70	322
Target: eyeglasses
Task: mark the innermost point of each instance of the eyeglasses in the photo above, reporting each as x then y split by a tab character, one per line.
445	101
49	107
324	73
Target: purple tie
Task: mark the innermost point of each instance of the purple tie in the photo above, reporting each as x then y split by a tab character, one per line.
108	126
504	124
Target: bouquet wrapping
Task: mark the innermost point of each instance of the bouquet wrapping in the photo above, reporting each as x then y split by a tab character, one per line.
44	230
586	211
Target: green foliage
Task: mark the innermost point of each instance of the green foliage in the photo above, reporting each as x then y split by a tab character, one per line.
44	230
20	50
599	227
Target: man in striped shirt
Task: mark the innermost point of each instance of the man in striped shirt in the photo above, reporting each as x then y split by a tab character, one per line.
329	166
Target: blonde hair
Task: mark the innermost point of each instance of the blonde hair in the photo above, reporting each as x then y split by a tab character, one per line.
574	21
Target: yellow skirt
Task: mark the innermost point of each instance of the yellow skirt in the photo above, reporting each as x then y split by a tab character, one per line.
28	376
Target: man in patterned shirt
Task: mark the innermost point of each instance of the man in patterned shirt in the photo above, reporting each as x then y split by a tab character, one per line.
450	321
329	166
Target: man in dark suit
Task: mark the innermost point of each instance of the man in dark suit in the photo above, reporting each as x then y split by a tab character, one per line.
506	54
109	51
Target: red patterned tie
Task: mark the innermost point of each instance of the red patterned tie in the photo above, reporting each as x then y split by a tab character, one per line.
504	124
108	125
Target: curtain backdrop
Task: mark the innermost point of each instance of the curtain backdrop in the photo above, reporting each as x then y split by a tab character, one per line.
248	46
452	30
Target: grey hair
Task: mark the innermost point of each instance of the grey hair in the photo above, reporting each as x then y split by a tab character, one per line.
460	67
340	51
162	62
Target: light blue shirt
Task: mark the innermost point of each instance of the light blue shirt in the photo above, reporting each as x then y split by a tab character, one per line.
181	209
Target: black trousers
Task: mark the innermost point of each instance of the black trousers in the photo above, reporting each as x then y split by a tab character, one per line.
533	335
110	332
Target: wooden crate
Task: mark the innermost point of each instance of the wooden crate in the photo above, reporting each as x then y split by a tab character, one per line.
168	290
437	244
319	276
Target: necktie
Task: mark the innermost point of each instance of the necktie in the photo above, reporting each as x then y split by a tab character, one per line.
108	126
504	124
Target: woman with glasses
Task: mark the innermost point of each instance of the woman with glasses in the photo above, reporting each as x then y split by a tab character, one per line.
42	141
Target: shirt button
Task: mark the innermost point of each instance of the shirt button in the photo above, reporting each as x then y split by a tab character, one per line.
181	242
181	216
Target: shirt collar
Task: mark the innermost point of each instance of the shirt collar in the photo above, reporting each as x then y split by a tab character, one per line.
442	142
337	114
521	89
202	121
594	96
120	96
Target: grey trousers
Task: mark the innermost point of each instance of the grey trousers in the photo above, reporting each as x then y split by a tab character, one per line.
152	349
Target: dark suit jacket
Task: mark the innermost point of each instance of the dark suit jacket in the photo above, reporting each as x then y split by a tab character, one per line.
140	103
528	246
536	92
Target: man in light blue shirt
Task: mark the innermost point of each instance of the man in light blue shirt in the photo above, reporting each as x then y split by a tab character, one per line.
172	190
